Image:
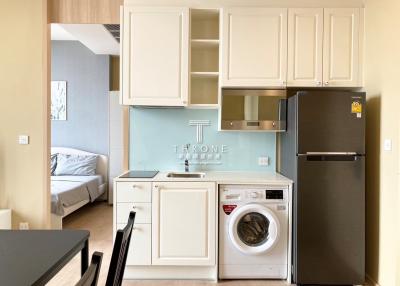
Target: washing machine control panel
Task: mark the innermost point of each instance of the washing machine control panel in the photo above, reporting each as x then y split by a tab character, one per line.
254	193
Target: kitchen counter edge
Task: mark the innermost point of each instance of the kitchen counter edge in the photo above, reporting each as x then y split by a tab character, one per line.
219	178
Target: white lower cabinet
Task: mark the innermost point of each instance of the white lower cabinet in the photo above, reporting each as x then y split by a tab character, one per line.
184	223
175	223
139	252
143	212
134	192
135	196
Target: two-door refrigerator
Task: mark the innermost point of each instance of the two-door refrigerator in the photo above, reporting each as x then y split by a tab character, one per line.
323	152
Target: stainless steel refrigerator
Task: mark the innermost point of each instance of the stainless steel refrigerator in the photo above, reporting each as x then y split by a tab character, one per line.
323	152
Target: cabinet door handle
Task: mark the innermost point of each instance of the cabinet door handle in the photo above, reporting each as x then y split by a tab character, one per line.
156	187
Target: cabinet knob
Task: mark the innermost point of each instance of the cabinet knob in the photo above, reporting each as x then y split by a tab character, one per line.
134	186
133	207
318	83
283	83
327	83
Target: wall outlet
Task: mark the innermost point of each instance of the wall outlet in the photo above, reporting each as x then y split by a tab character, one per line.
263	161
24	225
23	139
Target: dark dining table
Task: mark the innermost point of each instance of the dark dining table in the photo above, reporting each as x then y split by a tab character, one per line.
33	257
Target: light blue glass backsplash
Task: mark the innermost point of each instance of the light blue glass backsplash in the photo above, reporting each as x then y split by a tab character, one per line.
158	137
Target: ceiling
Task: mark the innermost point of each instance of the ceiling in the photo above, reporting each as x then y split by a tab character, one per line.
99	39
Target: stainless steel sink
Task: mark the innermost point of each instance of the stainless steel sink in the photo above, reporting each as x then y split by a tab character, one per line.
185	175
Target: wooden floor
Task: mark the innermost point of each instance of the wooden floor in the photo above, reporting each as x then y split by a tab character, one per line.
97	218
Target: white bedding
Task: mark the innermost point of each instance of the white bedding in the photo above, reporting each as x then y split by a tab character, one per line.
69	190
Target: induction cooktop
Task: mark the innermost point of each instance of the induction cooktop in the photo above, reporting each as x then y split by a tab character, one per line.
140	174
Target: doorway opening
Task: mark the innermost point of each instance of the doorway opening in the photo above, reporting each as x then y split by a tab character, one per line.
87	124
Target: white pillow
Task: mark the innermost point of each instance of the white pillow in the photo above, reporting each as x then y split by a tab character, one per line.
79	165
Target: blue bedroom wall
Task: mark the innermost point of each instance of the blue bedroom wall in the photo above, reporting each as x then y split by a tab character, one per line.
88	85
158	138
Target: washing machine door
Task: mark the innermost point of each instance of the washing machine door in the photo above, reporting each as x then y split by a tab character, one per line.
253	229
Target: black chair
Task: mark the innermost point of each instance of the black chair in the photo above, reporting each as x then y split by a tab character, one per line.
120	253
91	275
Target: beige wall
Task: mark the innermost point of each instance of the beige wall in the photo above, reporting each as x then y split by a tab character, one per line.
382	84
23	88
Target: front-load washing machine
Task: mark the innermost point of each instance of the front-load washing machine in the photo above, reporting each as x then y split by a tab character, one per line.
253	232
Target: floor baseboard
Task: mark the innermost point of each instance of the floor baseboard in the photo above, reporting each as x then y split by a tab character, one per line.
371	281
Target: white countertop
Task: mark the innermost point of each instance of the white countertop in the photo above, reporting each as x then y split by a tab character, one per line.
233	177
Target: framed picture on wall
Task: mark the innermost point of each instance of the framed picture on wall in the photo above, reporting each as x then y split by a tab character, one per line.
58	100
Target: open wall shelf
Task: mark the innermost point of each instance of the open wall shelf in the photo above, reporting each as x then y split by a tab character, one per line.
205	23
204	90
204	58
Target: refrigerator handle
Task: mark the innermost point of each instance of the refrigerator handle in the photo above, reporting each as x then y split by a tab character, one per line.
331	157
330	154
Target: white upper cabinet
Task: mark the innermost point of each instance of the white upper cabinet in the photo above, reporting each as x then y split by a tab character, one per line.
184	223
254	47
342	49
155	43
305	43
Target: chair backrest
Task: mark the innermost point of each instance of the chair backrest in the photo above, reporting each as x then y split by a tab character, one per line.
120	253
91	275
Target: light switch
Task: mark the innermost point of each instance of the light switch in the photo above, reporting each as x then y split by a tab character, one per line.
387	145
23	139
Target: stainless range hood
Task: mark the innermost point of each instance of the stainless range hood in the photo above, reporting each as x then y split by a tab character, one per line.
253	109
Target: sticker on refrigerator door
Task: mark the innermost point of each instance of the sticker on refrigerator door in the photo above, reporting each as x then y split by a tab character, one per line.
228	209
356	107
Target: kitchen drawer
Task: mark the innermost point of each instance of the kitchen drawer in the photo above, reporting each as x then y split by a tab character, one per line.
143	212
134	192
139	252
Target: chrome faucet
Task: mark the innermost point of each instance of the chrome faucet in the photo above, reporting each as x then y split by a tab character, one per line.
186	158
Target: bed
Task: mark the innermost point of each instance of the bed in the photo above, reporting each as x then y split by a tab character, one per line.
71	192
